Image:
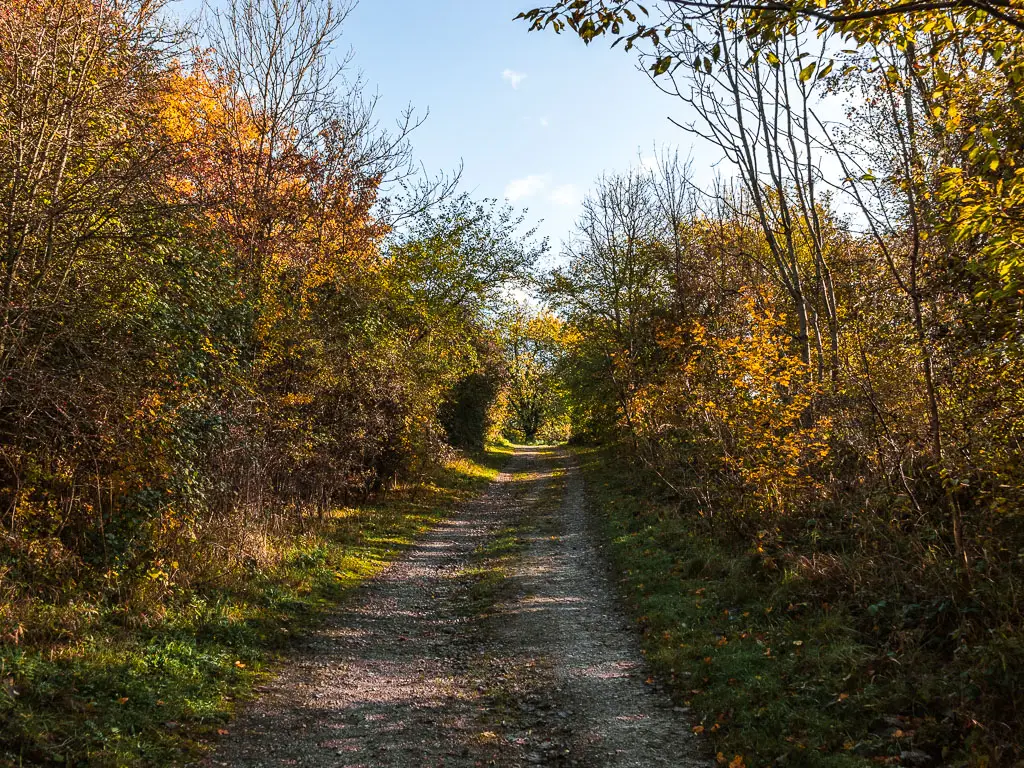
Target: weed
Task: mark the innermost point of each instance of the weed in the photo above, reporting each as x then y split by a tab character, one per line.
770	669
105	686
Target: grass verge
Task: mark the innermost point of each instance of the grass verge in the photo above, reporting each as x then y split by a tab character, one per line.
772	674
492	563
511	687
119	690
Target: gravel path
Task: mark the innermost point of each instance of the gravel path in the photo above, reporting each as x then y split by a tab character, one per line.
412	672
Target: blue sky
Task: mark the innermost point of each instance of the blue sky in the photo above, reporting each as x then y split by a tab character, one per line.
535	117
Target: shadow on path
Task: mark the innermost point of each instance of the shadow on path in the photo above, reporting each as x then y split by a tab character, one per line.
405	675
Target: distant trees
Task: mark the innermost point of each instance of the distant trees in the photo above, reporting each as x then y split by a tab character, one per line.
532	404
610	290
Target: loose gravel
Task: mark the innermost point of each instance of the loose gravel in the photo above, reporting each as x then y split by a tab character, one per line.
412	671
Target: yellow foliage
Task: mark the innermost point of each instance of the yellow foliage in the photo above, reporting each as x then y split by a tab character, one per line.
743	404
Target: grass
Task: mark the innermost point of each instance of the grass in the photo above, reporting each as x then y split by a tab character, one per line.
489	569
117	688
772	674
505	686
493	562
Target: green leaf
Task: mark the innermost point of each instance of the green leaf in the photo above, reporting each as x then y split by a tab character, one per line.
661	66
806	72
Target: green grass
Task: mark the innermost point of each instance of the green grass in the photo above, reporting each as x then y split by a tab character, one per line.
493	562
124	689
772	674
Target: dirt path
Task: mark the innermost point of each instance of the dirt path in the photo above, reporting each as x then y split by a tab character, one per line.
417	672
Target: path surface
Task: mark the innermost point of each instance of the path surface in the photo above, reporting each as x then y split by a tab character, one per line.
416	672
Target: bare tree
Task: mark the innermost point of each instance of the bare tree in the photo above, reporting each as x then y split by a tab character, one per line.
754	103
285	83
889	160
279	87
617	275
675	201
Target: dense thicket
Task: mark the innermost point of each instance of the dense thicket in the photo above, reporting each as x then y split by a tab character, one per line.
215	323
821	357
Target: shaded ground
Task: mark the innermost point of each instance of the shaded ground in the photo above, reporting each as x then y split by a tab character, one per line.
458	656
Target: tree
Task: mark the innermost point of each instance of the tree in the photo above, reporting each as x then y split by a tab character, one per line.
754	104
612	288
627	20
534	396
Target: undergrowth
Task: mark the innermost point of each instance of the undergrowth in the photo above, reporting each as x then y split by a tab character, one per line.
781	660
92	681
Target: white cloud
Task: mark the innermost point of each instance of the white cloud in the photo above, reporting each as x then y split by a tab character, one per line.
544	122
564	194
512	77
539	185
528	186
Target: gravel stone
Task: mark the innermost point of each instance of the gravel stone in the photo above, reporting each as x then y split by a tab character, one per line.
403	676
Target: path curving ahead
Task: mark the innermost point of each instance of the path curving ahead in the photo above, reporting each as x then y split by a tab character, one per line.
414	671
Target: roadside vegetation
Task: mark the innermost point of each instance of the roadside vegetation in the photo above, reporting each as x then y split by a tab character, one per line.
103	686
247	343
775	663
809	370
